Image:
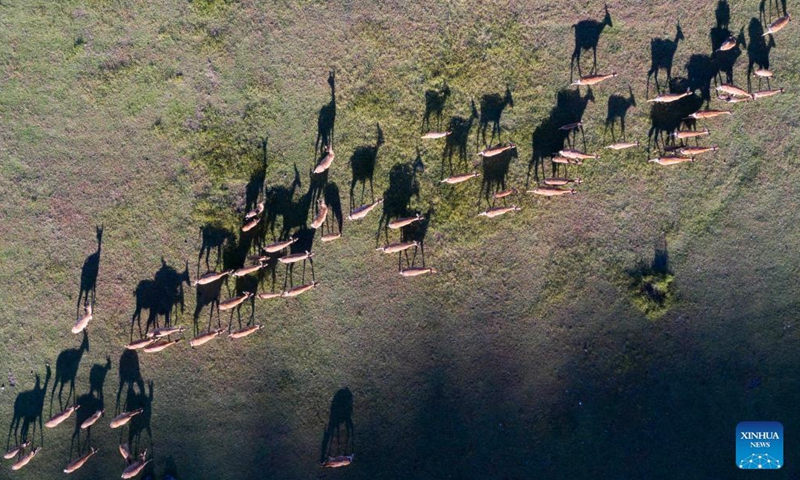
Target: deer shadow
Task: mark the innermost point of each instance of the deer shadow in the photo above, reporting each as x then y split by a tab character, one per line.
548	138
254	189
278	203
89	404
89	271
67	365
665	118
587	37
159	296
403	185
700	72
764	16
492	107
362	167
304	243
494	174
662	55
140	423
326	119
618	107
456	142
757	51
416	232
28	410
214	238
435	101
207	296
341	413
129	374
722	14
333	199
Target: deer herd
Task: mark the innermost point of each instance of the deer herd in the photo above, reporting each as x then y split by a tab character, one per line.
160	339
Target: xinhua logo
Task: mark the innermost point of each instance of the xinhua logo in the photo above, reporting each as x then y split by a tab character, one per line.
759	445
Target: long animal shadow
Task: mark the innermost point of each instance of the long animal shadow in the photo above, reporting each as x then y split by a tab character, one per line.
618	107
549	137
139	398
254	190
129	374
456	142
89	271
722	14
725	60
278	202
662	55
333	199
213	239
326	119
435	101
362	167
403	185
700	72
89	404
587	37
67	365
97	377
160	296
416	232
492	107
341	414
305	243
28	410
758	49
666	118
494	174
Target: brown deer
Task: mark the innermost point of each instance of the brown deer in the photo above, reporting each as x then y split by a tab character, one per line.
83	322
247	270
125	417
622	145
59	418
251	224
326	161
255	212
766	93
160	345
402	222
165	331
293	292
728	44
683	134
363	210
268	295
566	161
732	99
322	214
571	126
137	344
763	73
493	152
93	419
329	237
576	155
435	135
340	461
136	467
497	211
778	25
701	114
552	191
417	271
733	90
670	97
505	193
72	466
204	338
692	151
246	331
590	80
25	459
125	451
671	160
234	302
14	451
459	178
278	246
211	277
397	247
296	257
560	182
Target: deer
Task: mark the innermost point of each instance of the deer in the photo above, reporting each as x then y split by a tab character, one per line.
552	191
326	161
136	467
322	214
683	134
732	99
576	155
293	292
505	193
670	97
571	126
211	277
248	270
763	73
560	182
671	160
622	145
566	161
363	210
766	93
93	419
700	114
59	418
25	459
278	246
245	331
339	461
165	331
692	151
268	295
72	466
296	257
255	212
204	338
590	80
125	417
84	320
778	25
251	224
733	90
587	36
728	44
662	53
160	345
436	135
492	152
417	271
397	247
138	344
497	211
234	302
402	222
460	178
14	451
329	237
125	451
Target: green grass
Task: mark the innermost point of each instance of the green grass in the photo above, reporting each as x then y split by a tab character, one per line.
528	346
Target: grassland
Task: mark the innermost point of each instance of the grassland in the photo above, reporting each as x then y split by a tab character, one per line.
524	354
